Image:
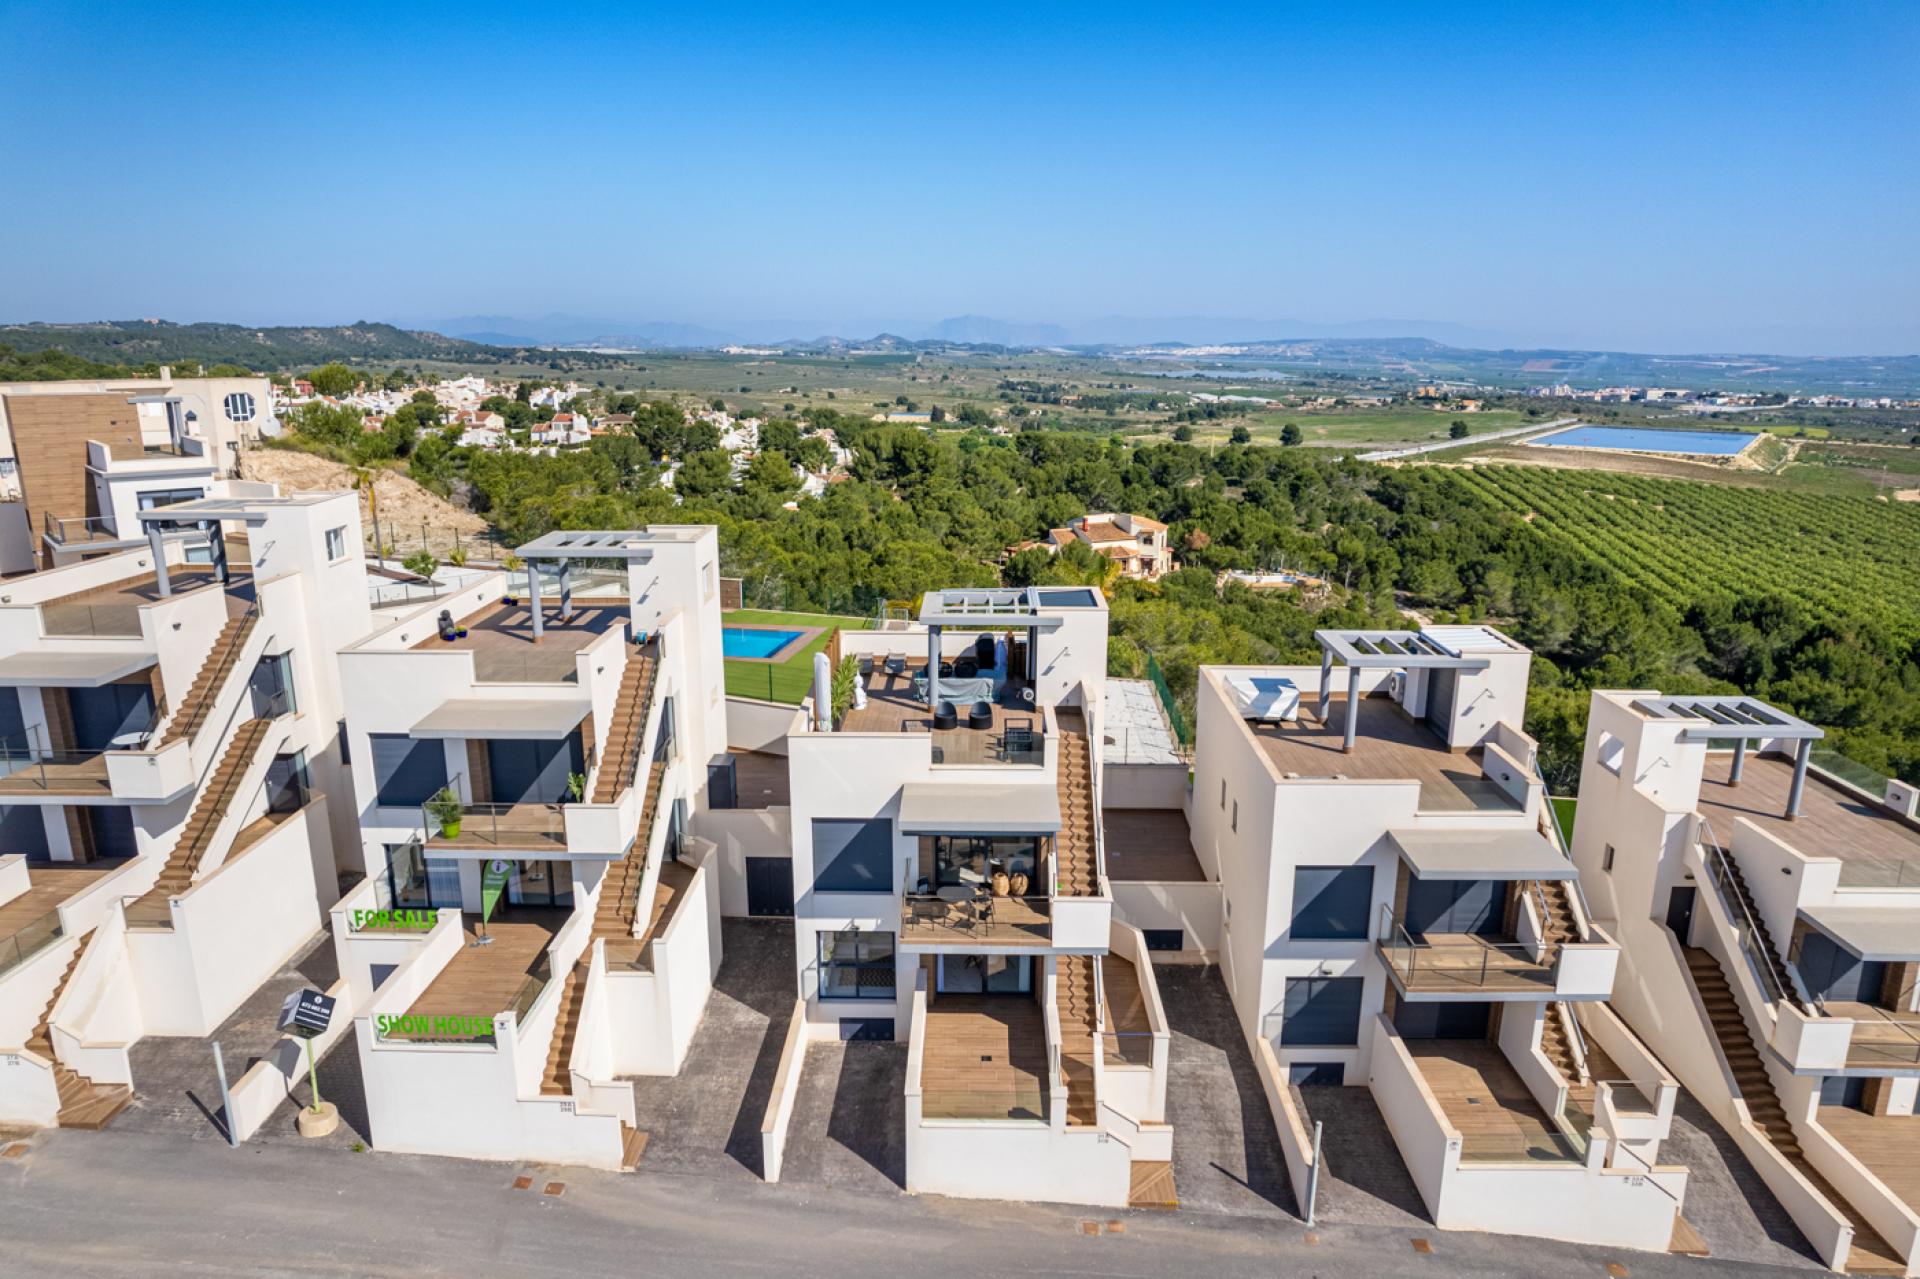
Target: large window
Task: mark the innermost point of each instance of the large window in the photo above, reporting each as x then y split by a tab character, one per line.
287	785
418	882
406	772
1331	902
1322	1011
152	499
968	861
240	406
856	965
852	856
336	543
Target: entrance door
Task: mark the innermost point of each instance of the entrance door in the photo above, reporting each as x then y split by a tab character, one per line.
985	975
1680	914
541	883
1440	687
769	886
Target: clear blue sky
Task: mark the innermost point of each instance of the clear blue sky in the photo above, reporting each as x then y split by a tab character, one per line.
1652	177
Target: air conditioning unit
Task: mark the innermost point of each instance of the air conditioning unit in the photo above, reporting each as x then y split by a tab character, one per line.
1397	687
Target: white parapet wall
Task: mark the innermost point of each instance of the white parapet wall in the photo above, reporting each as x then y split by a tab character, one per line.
270	1082
786	1090
231	931
740	833
1192	907
655	1012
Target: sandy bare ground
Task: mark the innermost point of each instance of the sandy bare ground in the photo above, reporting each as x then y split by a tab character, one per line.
405	508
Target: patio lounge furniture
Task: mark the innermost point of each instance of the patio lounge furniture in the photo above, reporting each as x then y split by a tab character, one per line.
965	668
983	652
980	715
896	664
1017	738
945	716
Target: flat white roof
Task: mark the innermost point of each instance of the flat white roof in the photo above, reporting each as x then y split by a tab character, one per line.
1881	933
72	670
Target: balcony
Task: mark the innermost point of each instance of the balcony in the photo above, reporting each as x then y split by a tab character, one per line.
1465	964
930	919
971	734
452	824
82	532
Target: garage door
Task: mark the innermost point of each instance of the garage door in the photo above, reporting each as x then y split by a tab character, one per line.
769	886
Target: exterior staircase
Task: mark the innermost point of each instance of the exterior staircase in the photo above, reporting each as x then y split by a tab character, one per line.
83	1103
1558	926
557	1079
1738	881
618	905
1079	1024
196	838
1558	1048
1870	1255
624	734
198	704
1073	848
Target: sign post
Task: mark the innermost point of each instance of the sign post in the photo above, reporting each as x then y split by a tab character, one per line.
493	883
306	1014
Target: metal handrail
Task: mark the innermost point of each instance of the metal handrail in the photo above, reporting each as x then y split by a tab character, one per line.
489	813
234	647
1571	1013
1099	999
1558	837
1549	952
1720	873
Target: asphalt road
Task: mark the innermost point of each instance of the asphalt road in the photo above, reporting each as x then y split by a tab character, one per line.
123	1203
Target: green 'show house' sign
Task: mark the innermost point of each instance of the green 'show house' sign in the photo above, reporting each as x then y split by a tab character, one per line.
454	1026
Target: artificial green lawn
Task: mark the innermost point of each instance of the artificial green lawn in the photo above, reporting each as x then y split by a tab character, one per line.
786	681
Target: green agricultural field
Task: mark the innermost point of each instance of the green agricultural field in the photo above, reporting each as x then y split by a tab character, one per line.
786	681
1360	427
1687	541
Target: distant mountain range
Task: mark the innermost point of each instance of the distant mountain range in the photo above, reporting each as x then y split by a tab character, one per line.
587	343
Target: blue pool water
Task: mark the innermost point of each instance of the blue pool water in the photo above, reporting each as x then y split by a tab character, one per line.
751	641
1717	443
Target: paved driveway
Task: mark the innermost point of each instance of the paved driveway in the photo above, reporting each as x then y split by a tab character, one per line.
706	1119
849	1121
1226	1154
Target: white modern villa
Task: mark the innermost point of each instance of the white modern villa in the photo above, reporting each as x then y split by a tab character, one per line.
539	755
951	891
1399	914
1770	912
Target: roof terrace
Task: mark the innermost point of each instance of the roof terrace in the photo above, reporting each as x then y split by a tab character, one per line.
501	638
1388	745
1877	848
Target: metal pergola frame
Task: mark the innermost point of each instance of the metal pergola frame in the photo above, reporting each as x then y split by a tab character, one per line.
565	546
1743	719
1376	650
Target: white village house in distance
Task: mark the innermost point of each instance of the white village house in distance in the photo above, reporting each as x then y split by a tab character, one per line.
526	768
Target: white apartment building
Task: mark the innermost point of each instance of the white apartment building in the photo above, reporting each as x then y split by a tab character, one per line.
169	722
553	745
1770	913
950	890
79	459
1398	913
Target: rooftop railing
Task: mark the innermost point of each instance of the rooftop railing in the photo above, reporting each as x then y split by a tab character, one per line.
73	530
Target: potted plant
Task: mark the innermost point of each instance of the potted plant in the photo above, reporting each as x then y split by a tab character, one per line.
446	809
576	787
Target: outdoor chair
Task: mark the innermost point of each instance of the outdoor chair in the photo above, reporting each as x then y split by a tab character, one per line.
980	715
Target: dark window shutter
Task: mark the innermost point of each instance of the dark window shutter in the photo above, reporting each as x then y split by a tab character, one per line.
1331	902
1322	1011
405	771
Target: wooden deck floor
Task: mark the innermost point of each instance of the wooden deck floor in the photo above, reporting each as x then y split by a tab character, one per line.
1455	962
114	609
1153	845
537	829
892	707
1019	921
47	888
86	775
1889	1145
667	897
1389	746
500	637
1875	848
482	981
1484	1098
984	1057
1130	1038
761	779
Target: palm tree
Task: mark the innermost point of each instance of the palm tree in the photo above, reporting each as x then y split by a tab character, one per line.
363	481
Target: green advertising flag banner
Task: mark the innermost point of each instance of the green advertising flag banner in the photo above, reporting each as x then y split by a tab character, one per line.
493	882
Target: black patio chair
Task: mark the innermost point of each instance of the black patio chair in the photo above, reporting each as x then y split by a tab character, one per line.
980	715
945	716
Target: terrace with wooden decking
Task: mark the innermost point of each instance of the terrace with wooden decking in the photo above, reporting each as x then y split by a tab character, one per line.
500	637
1150	845
1487	1103
30	920
1877	849
893	706
1390	745
984	1057
484	981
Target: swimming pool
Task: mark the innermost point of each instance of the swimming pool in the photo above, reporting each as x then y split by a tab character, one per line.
754	641
1641	440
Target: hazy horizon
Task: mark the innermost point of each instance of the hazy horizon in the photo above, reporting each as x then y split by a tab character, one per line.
1710	178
